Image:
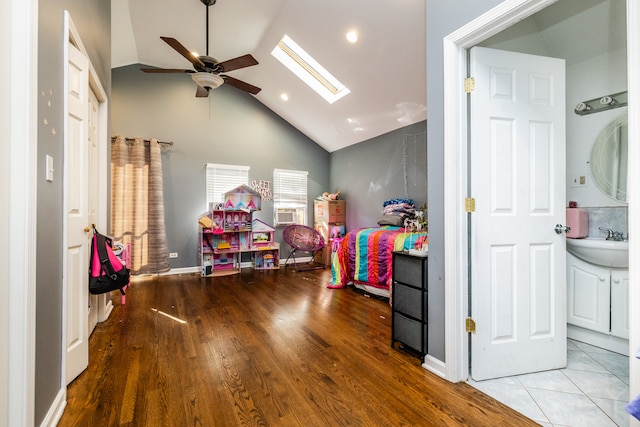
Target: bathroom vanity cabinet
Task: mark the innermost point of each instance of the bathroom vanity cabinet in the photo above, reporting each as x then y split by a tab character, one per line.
620	303
597	304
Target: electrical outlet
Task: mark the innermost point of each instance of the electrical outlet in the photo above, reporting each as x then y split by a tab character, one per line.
173	255
579	181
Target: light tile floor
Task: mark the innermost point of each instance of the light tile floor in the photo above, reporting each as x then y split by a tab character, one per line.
591	391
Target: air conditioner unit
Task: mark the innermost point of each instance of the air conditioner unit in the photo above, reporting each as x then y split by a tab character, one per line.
285	216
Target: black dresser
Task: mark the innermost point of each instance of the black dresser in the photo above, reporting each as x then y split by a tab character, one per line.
409	303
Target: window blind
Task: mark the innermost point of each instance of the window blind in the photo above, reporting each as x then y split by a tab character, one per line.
222	178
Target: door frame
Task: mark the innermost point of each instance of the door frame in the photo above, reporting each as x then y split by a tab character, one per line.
17	373
455	48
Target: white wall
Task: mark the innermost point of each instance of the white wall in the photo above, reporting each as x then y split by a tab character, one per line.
5	123
18	43
602	75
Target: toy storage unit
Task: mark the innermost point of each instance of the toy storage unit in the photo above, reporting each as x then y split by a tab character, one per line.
329	218
265	252
233	232
410	302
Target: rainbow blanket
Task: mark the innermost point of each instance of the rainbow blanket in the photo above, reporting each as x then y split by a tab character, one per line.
364	256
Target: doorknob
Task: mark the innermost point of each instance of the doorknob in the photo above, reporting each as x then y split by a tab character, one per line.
560	228
87	229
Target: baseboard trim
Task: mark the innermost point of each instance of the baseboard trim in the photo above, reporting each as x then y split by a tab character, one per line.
56	410
183	270
435	366
196	269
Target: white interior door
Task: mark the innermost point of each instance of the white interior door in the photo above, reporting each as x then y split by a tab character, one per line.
92	188
517	175
77	215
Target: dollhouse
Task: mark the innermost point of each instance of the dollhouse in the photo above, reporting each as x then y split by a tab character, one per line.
266	250
231	232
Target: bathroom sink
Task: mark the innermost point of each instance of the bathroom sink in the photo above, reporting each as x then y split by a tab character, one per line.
607	253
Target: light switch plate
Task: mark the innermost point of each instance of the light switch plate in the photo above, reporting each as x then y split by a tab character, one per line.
49	168
579	181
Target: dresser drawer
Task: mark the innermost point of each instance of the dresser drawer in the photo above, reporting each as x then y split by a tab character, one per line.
410	270
410	332
409	301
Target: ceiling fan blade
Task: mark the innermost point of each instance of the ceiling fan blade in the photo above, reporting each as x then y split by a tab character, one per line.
183	51
165	70
201	92
237	63
239	84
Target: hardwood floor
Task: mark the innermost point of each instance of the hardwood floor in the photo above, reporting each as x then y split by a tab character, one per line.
270	348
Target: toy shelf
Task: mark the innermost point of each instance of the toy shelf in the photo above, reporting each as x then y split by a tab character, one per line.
228	230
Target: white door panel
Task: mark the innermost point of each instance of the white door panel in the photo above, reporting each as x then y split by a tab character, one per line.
93	190
77	218
517	178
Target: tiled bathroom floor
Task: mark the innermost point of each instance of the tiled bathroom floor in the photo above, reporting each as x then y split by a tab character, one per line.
592	391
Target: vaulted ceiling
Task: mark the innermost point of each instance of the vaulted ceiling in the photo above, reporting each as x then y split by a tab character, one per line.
385	70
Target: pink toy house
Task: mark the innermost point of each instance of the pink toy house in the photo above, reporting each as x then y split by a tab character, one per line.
242	198
261	233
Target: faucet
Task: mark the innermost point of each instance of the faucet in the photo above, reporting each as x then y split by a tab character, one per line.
617	236
613	235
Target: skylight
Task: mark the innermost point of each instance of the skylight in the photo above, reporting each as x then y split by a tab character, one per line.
308	70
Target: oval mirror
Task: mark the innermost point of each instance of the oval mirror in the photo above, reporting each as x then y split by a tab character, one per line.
609	159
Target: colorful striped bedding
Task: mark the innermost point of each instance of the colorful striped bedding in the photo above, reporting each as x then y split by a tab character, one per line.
364	256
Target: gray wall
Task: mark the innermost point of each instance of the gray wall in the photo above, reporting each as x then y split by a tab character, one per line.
229	127
443	18
393	165
93	21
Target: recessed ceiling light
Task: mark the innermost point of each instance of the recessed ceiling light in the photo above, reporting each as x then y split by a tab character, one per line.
284	97
308	70
352	36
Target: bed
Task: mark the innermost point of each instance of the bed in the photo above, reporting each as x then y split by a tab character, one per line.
363	258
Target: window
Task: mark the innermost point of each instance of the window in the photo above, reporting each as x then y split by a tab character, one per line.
289	197
308	70
222	178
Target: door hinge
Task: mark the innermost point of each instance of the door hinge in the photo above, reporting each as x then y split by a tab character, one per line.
470	325
469	84
469	204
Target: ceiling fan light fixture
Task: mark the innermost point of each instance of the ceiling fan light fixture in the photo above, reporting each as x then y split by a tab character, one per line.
207	80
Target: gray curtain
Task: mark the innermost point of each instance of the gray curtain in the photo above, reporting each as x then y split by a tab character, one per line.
137	203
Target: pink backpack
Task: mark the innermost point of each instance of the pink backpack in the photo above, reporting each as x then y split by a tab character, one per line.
106	271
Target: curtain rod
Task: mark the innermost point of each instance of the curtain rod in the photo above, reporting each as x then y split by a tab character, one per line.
113	138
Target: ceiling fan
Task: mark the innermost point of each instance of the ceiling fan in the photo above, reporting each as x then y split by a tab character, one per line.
207	72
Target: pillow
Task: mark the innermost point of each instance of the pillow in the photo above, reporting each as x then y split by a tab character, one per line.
396	220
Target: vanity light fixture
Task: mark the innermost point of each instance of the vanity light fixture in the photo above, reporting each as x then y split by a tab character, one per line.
607	100
582	107
603	103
